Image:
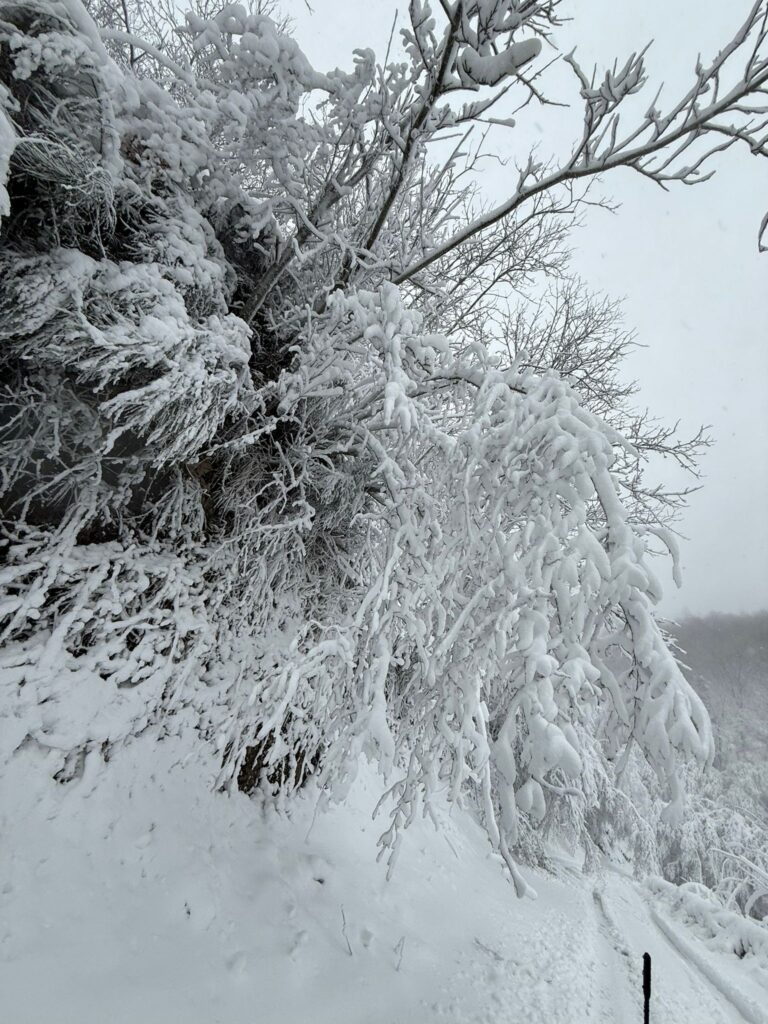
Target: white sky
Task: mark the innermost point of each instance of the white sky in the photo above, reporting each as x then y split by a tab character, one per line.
685	263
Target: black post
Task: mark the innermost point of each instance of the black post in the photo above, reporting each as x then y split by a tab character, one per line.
646	988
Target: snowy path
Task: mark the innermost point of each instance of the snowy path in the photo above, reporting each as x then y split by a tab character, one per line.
681	993
181	907
583	965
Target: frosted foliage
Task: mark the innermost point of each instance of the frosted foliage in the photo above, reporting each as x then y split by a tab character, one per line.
101	321
124	630
7	141
260	462
508	599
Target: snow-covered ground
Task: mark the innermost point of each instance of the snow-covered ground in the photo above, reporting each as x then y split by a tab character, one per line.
148	898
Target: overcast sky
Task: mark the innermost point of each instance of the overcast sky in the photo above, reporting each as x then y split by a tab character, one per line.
685	263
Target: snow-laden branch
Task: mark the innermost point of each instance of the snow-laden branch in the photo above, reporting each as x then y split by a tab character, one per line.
654	147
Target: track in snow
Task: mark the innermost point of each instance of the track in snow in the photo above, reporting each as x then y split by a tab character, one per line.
682	994
618	975
746	1007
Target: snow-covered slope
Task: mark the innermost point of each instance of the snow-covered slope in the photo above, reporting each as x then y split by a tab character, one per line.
727	659
151	899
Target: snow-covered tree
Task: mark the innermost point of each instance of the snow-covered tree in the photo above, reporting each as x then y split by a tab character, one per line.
274	451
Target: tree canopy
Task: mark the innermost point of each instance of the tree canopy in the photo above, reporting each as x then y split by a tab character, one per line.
277	446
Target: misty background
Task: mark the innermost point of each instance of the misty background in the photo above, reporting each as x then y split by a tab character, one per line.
684	262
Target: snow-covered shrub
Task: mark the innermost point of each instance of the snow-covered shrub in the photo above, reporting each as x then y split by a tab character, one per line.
723	841
259	460
120	364
722	928
718	845
102	641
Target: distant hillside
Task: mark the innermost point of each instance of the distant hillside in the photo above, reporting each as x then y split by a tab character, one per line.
726	659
